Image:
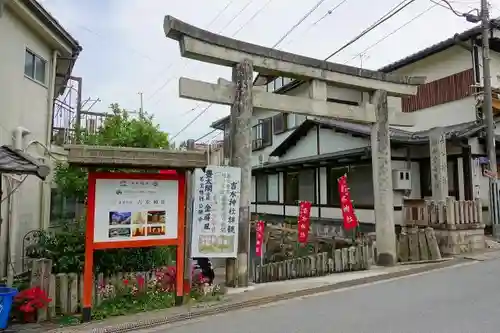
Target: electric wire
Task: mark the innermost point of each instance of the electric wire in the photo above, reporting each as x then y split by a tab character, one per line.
299	22
395	10
295	26
329	12
391	33
186	63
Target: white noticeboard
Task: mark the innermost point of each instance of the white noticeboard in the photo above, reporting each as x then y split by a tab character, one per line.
216	206
132	210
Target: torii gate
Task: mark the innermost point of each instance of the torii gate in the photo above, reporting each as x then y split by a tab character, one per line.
245	58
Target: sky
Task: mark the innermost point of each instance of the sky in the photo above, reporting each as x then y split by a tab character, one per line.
126	52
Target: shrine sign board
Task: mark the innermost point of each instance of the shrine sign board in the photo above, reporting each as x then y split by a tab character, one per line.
216	212
127	210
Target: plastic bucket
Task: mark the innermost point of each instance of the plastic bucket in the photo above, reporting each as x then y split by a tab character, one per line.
6	298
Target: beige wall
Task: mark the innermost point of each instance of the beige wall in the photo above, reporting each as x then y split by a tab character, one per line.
23	103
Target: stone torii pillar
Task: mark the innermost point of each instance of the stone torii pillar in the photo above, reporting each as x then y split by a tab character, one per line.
202	45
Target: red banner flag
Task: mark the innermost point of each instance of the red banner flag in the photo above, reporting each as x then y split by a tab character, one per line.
304	221
350	219
259	233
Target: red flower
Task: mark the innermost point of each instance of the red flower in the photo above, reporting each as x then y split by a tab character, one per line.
125	282
31	299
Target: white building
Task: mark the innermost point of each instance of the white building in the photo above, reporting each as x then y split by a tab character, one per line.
37	57
295	158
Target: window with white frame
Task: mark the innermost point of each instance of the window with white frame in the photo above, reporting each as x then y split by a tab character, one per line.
293	120
35	67
272	187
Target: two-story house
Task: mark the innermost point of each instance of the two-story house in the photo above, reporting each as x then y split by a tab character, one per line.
295	158
38	55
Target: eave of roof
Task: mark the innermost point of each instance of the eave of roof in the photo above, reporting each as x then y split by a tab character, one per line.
398	136
438	47
43	15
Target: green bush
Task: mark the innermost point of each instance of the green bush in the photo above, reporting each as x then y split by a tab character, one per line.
66	248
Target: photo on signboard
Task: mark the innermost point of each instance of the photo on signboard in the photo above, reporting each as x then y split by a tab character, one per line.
139	232
156	231
139	217
156	216
216	244
120	218
119	232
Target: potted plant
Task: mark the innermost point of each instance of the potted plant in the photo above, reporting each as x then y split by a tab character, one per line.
28	302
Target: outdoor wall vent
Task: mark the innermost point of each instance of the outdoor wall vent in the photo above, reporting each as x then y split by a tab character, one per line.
401	180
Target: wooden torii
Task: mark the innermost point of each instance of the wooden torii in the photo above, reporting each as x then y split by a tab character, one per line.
245	58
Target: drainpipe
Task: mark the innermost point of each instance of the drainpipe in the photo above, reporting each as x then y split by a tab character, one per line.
45	197
13	227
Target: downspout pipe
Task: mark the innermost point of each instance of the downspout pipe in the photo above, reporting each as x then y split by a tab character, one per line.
13	227
45	185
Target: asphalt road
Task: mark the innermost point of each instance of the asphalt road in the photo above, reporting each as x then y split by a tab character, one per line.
455	300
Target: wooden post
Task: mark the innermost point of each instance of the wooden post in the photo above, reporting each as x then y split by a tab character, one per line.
241	152
188	227
382	182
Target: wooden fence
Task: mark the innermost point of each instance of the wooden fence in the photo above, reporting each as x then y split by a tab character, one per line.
450	212
353	258
66	290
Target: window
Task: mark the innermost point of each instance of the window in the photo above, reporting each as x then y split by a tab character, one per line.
262	134
333	190
278	83
34	67
273	187
279	123
63	209
299	186
293	120
261	187
291	188
267	189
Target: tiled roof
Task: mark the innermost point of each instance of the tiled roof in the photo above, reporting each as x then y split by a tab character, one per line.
18	162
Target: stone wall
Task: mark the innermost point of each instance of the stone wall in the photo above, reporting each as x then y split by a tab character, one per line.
453	241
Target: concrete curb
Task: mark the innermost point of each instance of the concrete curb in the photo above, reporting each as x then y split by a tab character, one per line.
198	313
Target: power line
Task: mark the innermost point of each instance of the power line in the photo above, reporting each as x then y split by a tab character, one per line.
217	16
391	33
399	7
329	12
204	136
295	26
257	13
192	121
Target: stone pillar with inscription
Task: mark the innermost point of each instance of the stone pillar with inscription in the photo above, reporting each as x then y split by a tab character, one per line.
439	166
382	182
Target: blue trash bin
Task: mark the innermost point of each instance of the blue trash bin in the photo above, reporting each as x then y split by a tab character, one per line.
6	298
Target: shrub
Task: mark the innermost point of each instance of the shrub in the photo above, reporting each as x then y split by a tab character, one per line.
66	248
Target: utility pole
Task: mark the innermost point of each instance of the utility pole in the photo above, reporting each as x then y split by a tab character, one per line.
240	143
141	110
488	113
487	108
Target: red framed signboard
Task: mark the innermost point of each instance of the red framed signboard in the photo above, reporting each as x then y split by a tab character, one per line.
127	210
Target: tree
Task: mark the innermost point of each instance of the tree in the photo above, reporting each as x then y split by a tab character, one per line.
119	129
66	246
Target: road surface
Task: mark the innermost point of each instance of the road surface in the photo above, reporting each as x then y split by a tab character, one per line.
459	299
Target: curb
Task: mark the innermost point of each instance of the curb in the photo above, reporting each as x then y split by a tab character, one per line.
128	327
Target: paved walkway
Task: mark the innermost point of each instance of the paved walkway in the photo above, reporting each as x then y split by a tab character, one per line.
460	299
252	296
